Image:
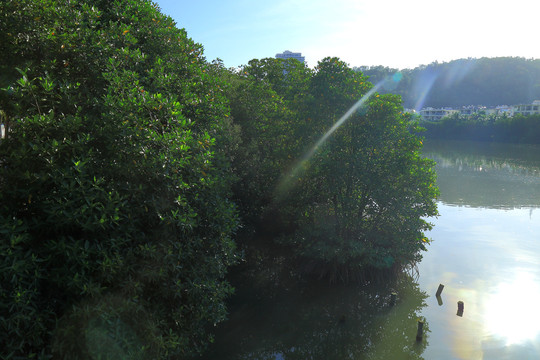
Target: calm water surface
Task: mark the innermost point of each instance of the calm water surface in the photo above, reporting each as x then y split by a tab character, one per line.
485	251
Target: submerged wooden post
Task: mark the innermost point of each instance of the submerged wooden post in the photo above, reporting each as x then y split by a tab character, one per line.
460	308
393	297
439	290
420	331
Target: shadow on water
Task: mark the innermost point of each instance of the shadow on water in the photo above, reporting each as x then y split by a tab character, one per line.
488	175
275	316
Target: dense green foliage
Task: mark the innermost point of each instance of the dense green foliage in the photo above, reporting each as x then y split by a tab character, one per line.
126	153
264	128
484	81
360	200
522	129
115	224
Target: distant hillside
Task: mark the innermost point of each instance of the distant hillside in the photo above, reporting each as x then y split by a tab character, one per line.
484	81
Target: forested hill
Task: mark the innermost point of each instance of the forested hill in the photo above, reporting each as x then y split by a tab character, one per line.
484	81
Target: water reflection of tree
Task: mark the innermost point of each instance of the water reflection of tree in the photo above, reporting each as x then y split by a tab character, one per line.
476	155
315	321
487	174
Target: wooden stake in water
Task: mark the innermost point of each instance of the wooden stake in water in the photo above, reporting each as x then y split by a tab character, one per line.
420	331
439	290
460	307
393	297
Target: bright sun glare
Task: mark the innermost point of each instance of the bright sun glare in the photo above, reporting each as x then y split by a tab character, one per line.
512	311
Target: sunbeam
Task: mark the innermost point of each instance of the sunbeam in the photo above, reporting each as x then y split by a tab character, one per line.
423	88
286	183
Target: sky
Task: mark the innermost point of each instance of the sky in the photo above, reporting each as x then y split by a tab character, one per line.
395	33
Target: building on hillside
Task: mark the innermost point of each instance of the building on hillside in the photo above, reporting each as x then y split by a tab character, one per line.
471	109
288	55
500	110
528	109
431	114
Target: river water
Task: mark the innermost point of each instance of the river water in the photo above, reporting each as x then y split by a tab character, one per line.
485	251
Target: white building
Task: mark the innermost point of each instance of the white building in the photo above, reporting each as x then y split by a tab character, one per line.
288	55
431	114
500	110
528	109
471	109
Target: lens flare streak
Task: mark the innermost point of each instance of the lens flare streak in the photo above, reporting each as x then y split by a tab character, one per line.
285	183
